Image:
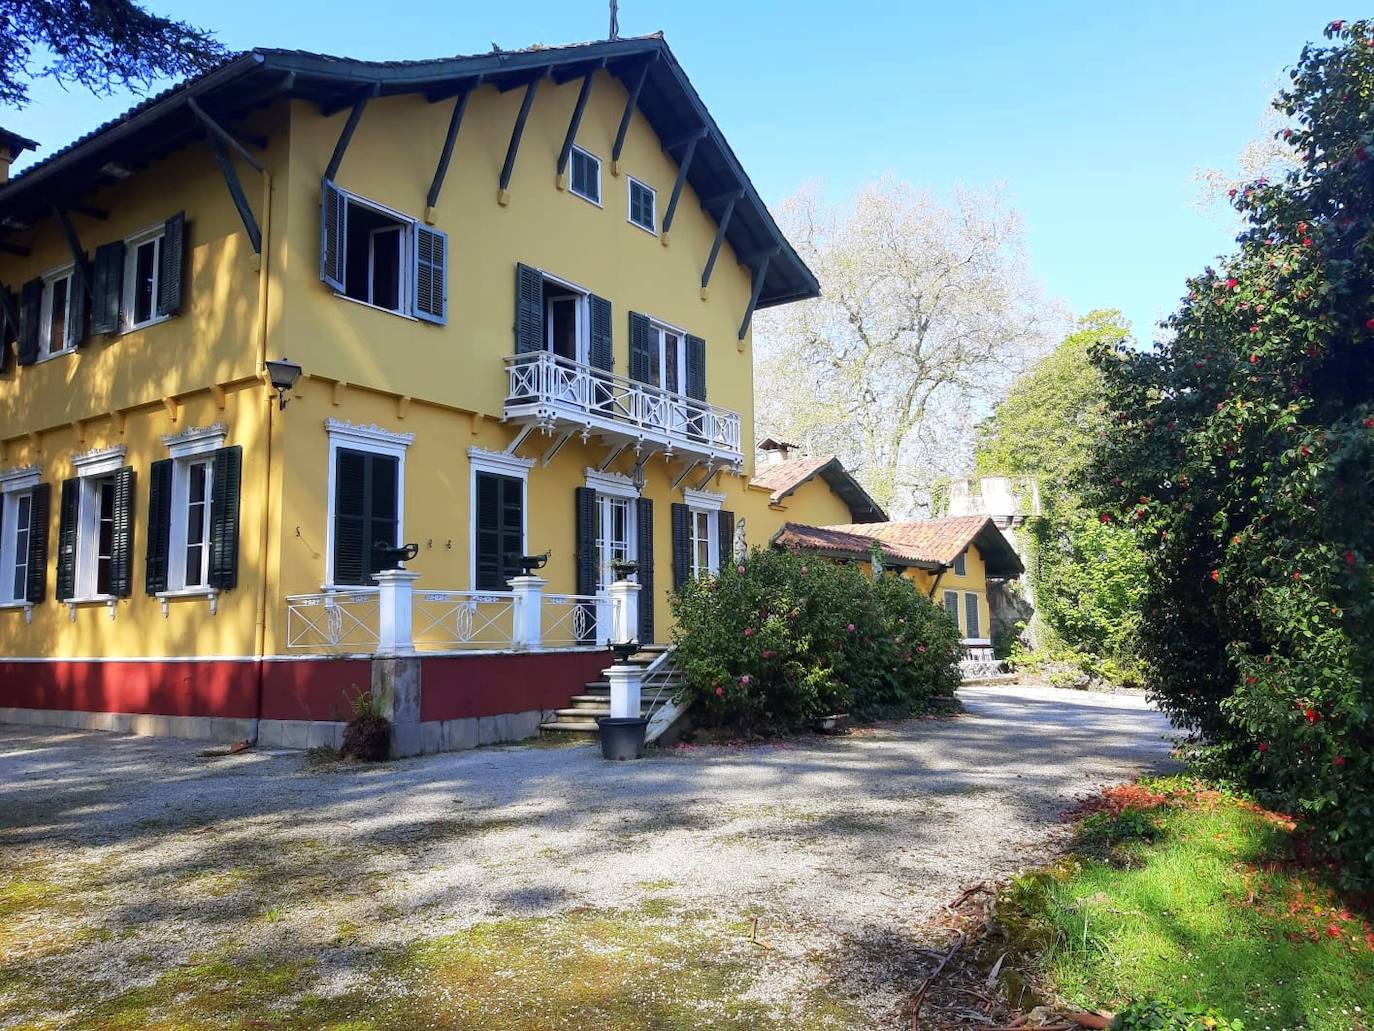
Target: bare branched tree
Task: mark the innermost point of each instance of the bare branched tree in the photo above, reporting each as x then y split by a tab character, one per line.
927	314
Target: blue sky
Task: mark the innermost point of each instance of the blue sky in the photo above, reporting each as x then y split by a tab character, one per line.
1093	115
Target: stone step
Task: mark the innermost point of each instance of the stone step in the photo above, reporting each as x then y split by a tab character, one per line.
585	712
569	728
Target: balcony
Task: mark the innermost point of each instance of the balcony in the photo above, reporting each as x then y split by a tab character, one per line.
561	396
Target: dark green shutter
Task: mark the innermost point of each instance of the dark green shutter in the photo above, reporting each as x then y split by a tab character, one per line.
159	526
972	627
79	306
641	365
9	326
602	354
725	534
30	315
366	511
224	518
529	310
681	519
108	292
36	585
66	539
951	600
430	275
584	521
696	368
122	537
171	265
500	530
644	555
333	233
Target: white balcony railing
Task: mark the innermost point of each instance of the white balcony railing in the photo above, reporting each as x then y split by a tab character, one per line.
395	618
553	390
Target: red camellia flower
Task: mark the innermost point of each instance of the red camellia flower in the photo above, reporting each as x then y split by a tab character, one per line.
1304	450
1252	680
1254	329
1297	577
1337	25
739	570
1105	517
745	680
1216	575
1313	716
720	692
1263	746
1231	193
1307	241
1231	283
1338	762
1254	358
921	648
767	653
1369	323
1369	424
850	628
1288	134
748	631
1350	558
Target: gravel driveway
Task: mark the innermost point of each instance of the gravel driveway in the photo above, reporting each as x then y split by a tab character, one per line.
132	860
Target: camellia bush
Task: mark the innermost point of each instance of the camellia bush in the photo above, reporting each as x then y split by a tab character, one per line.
778	639
1242	455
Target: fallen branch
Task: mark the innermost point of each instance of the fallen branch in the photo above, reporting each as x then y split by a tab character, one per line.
959	939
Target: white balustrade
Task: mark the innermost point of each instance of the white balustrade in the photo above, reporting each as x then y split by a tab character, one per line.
550	388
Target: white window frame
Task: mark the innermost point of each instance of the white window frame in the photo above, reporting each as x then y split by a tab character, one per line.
632	182
407	257
498	463
50	279
378	441
661	330
193	446
708	503
14	485
600	184
153	234
611	488
582	309
90	468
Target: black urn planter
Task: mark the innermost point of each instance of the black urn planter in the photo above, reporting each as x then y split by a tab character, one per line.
622	737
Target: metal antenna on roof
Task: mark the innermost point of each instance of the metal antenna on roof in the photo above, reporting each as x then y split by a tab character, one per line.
615	19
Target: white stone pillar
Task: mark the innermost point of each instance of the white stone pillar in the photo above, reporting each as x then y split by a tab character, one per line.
527	620
624	611
625	682
395	591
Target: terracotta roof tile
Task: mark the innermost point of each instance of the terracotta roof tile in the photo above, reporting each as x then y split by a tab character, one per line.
782	478
925	542
935	540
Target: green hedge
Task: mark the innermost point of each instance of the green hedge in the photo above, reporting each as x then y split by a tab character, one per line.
778	639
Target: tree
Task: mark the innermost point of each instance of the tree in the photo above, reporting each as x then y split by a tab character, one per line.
1241	452
1085	577
99	44
926	312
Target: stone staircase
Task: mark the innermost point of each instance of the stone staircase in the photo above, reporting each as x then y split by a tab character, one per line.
579	719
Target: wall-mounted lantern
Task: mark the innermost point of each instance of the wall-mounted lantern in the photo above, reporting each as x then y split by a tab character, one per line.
283	373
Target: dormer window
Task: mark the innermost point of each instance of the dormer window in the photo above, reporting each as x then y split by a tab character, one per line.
586	175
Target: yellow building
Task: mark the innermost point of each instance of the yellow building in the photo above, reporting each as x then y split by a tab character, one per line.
952	560
518	288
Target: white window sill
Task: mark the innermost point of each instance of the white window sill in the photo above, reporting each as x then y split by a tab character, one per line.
210	594
348	588
27	606
376	307
594	203
55	355
91	599
135	327
651	232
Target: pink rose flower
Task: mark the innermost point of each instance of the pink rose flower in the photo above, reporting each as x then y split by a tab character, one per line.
720	692
744	680
851	628
921	648
748	631
739	570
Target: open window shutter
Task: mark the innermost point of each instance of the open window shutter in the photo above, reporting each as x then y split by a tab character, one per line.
640	364
431	275
80	309
171	265
951	600
122	543
584	517
224	518
644	555
972	628
681	518
512	527
36	586
725	533
30	312
602	355
159	526
9	327
696	368
333	232
66	539
529	309
108	291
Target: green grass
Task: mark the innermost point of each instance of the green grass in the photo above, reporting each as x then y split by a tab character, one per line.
1191	902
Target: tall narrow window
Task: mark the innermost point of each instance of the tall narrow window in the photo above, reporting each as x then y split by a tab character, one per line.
614	535
642	206
103	497
55	321
972	622
197	525
141	279
384	266
565	321
498	529
586	175
667	358
951	600
366	513
961	564
16	548
703	545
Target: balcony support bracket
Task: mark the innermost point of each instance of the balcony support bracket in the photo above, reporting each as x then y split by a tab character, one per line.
514	445
556	447
611	456
686	472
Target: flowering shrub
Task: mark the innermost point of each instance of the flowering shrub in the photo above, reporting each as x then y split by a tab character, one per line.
1241	453
778	639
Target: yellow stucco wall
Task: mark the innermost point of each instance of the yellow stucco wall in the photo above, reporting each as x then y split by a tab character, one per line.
973	581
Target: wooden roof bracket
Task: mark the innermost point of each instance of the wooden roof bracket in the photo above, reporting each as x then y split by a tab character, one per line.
346	134
78	255
575	121
631	102
455	122
219	141
686	163
760	274
722	227
517	130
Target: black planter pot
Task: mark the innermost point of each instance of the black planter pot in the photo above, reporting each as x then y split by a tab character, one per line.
622	737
